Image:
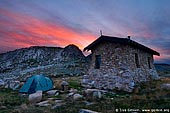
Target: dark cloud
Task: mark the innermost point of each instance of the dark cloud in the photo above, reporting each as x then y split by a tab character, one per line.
60	22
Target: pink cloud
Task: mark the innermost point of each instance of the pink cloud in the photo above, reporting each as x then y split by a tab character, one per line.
24	30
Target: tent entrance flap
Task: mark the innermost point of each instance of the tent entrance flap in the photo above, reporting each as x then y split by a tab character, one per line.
32	87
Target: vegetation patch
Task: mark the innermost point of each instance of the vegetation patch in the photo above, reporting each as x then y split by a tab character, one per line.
9	99
147	95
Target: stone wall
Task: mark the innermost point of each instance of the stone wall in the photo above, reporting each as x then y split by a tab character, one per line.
118	67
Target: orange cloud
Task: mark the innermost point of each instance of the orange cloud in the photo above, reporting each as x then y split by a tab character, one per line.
19	30
164	54
25	30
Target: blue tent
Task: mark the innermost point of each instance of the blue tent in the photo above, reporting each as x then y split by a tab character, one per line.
35	83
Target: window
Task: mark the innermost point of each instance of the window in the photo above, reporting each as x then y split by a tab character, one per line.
137	60
149	62
97	61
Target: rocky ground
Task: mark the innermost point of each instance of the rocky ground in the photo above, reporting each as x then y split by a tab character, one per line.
67	66
76	99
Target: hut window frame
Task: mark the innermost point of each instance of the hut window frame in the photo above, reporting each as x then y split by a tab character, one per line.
149	63
137	60
97	61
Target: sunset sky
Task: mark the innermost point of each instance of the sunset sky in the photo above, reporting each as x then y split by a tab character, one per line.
25	23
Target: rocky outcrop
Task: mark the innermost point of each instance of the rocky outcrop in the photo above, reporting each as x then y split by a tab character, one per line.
27	57
54	61
71	52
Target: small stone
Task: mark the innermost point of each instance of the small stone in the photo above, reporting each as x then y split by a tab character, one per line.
64	83
51	98
97	94
73	90
77	96
57	94
24	106
52	92
84	81
88	103
70	94
106	75
3	107
43	103
85	76
92	83
121	72
87	111
57	105
165	86
86	86
58	101
90	91
64	86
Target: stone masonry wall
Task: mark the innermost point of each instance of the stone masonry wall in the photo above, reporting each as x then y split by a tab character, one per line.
118	68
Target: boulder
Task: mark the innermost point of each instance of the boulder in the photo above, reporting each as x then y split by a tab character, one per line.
64	83
52	92
87	111
165	86
43	103
73	90
70	94
90	91
77	96
35	97
93	93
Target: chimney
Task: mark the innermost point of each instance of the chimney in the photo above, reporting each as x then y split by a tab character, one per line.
129	37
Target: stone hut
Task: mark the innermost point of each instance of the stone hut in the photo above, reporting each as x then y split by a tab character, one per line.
119	63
